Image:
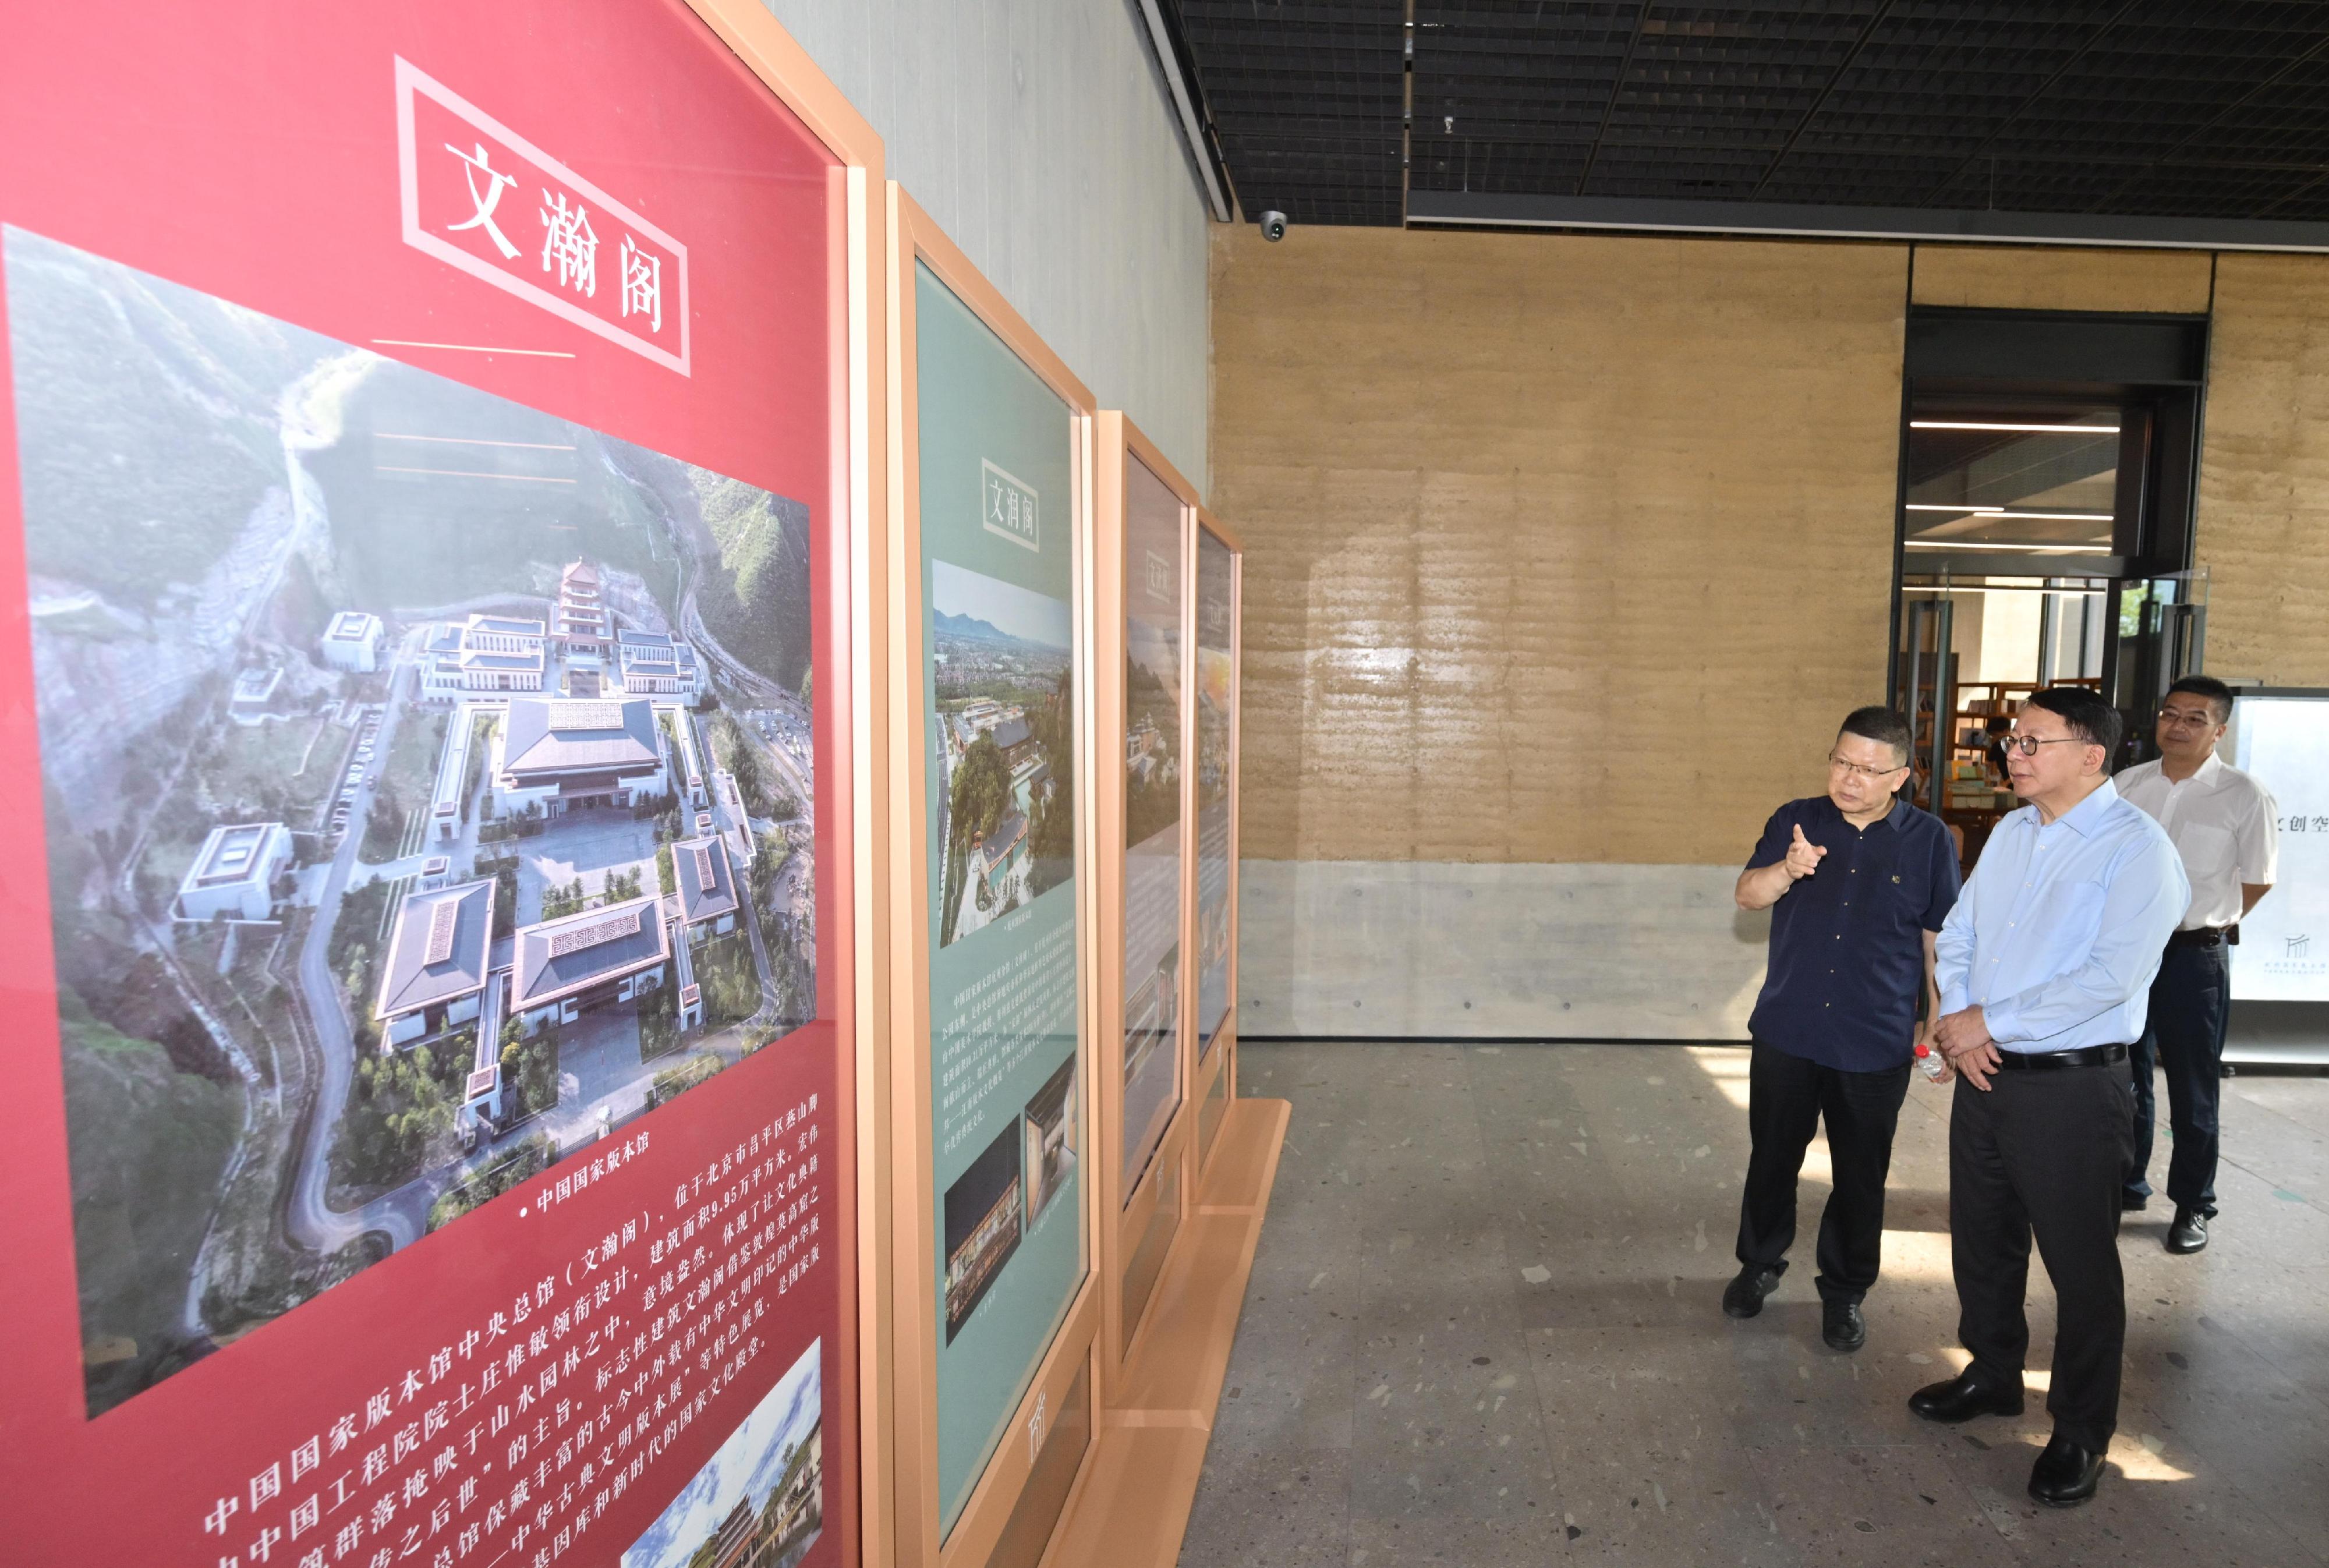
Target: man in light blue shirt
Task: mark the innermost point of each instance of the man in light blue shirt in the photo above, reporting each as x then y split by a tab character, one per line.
2045	968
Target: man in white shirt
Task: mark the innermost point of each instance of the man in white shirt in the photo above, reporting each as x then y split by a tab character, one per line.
2224	825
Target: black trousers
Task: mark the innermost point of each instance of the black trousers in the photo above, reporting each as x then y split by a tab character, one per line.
2043	1154
2190	1002
1786	1096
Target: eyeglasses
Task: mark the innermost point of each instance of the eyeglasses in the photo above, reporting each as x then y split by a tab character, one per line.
2177	720
2028	744
1838	765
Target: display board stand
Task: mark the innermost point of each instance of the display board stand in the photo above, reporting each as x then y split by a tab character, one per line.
1178	1229
449	877
1217	688
769	53
1143	528
1132	1507
991	463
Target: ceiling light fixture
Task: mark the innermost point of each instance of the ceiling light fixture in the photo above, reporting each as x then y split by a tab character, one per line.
2030	429
2099	546
2010	512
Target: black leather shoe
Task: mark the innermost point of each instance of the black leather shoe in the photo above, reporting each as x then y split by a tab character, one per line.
2189	1234
1743	1296
1964	1397
1843	1326
2065	1475
2133	1202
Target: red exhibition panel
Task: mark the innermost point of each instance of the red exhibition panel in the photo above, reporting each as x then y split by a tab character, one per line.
422	607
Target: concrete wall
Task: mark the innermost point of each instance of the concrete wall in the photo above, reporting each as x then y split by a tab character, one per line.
1564	555
2264	473
2042	278
1039	135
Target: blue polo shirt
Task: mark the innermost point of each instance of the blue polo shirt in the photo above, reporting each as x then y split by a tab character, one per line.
1847	941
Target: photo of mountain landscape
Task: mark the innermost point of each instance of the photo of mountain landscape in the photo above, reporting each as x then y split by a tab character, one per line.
1004	768
429	791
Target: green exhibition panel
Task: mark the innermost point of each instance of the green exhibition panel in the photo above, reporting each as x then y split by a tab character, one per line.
996	459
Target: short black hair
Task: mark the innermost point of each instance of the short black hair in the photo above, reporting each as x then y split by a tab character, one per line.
2218	694
1879	724
2089	718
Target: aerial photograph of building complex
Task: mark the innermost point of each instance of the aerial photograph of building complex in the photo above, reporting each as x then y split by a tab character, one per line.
428	789
759	1501
1004	775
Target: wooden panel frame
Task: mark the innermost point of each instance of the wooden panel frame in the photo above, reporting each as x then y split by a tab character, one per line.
914	237
1223	1061
1126	1219
861	1500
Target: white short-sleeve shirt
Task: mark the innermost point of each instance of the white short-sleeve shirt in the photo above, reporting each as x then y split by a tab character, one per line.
2224	825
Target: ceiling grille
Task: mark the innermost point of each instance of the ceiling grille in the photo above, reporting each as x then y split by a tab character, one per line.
2189	109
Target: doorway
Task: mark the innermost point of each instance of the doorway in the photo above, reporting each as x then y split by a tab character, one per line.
2048	467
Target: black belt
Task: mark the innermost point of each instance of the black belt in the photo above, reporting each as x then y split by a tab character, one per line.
2205	937
2038	1061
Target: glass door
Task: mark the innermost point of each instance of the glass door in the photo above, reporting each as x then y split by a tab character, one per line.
2158	634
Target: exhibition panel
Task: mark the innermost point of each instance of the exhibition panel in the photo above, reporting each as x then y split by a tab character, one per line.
1213	716
996	1308
1142	531
1156	537
1176	1235
429	446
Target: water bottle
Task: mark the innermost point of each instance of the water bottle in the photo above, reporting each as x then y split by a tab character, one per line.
1931	1065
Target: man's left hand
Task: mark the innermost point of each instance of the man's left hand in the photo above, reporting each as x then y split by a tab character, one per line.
1961	1031
1964	1040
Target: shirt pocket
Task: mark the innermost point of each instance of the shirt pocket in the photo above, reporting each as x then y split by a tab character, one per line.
2068	916
1911	888
2207	850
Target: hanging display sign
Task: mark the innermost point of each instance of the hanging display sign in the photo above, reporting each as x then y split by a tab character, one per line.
418	573
2282	954
1152	523
1216	723
998	521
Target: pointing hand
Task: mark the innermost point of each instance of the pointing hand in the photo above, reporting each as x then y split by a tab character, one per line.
1803	857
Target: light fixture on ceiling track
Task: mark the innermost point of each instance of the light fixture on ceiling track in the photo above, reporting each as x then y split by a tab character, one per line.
2010	512
2025	429
2001	546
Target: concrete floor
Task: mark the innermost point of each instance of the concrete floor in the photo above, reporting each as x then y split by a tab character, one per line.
1483	1328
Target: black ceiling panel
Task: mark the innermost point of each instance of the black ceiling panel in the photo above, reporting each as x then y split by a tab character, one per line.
1307	96
2187	108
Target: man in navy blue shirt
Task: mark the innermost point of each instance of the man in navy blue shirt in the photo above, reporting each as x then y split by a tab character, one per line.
1859	883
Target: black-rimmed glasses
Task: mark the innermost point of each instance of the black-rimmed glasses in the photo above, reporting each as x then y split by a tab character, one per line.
2028	744
1857	771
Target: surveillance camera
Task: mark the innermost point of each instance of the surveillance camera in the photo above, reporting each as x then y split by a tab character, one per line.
1273	226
